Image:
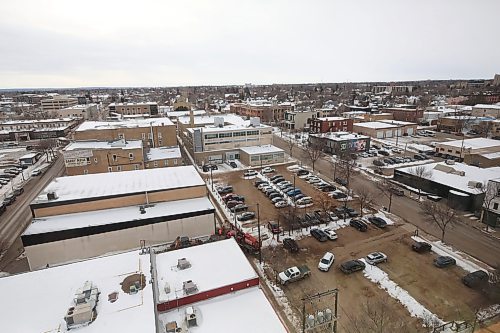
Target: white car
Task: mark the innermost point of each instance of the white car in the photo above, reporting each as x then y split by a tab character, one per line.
333	217
304	201
281	204
376	258
250	173
36	173
326	262
314	180
364	155
397	150
268	170
332	235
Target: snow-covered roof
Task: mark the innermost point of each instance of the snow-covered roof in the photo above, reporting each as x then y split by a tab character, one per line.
37	301
235	308
375	125
37	121
213	265
120	183
491	156
397	122
128	144
163	153
487	106
116	215
475	143
30	155
209	120
177	114
133	103
261	149
331	118
130	123
454	179
340	136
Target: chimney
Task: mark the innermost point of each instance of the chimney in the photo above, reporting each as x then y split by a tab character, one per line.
191	118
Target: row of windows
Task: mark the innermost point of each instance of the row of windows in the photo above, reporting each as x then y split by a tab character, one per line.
233	134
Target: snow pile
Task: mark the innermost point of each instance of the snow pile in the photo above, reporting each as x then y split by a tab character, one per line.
489	312
378	276
444	250
279	296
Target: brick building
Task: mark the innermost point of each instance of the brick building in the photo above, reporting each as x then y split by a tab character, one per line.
266	111
331	124
404	114
150	108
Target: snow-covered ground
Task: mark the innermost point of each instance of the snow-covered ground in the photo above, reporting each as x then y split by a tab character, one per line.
379	277
464	261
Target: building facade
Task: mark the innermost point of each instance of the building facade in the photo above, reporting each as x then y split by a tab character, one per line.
301	119
149	108
331	124
402	114
486	110
385	129
26	130
53	105
86	112
268	112
337	143
460	149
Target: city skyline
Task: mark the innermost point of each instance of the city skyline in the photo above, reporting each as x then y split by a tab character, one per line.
120	44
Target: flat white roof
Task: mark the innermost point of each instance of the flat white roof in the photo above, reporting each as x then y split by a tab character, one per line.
331	118
30	155
340	136
236	310
229	118
38	121
375	125
487	106
475	143
185	113
115	215
491	156
397	122
37	301
129	144
163	153
213	265
129	123
116	183
133	103
456	181
261	149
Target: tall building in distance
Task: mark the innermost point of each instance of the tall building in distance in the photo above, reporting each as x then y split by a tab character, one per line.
127	109
53	105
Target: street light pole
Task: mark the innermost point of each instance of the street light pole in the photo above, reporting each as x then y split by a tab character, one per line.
211	179
260	241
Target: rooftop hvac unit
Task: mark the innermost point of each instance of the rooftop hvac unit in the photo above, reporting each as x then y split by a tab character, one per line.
183	263
474	184
189	287
142	209
191	318
218	121
51	196
167	288
255	121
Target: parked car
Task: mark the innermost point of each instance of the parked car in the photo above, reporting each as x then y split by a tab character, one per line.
281	204
328	188
246	216
377	221
277	199
475	279
319	235
3	181
341	181
376	258
294	273
384	152
421	247
208	167
231	203
352	266
36	172
268	170
338	195
444	261
397	150
3	208
291	245
9	200
299	196
304	201
274	195
374	146
333	217
257	183
293	192
273	227
233	164
332	235
326	262
18	191
358	224
239	208
302	172
225	189
249	173
278	180
419	157
275	176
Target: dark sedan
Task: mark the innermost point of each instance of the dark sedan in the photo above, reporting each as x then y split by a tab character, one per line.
319	235
377	221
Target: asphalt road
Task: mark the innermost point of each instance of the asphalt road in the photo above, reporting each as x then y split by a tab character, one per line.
461	236
18	215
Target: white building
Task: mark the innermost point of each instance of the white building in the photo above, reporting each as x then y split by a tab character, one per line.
85	111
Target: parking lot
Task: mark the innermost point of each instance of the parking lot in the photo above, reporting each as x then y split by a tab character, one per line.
268	212
439	290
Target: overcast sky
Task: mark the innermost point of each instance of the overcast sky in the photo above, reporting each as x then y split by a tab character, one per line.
69	43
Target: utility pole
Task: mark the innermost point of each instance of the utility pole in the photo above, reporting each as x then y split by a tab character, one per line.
260	241
211	178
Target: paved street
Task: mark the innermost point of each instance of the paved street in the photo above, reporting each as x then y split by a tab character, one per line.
18	215
462	236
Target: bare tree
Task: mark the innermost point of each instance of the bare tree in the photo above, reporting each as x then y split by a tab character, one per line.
421	172
47	146
324	202
484	128
491	191
365	197
314	152
386	190
290	143
441	215
376	316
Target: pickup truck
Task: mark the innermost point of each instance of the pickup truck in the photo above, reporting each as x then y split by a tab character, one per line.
294	273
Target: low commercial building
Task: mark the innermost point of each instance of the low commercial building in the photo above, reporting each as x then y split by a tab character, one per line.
26	130
486	110
173	115
302	119
460	183
29	159
79	217
218	139
163	157
261	155
267	111
85	111
149	290
385	128
153	132
467	148
52	105
331	124
149	108
457	124
338	142
88	157
405	114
